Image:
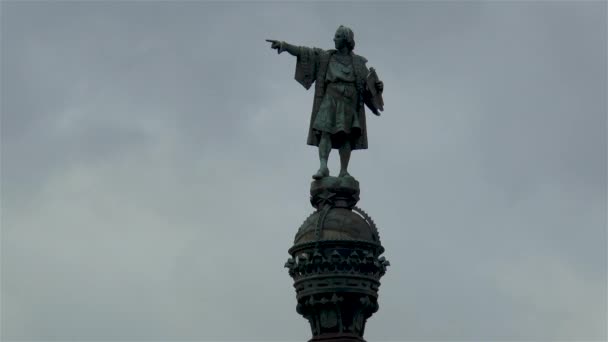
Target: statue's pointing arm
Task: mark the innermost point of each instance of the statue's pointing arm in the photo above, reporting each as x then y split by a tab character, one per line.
281	46
292	49
308	60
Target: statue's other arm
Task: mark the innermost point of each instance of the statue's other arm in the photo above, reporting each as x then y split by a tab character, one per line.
372	93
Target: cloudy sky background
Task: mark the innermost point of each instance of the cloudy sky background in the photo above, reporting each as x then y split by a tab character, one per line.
155	171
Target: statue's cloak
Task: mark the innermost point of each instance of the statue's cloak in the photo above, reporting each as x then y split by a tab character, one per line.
311	67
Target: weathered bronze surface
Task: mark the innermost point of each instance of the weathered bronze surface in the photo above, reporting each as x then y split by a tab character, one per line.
342	192
336	263
336	260
343	84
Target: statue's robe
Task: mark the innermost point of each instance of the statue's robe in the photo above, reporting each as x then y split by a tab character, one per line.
311	67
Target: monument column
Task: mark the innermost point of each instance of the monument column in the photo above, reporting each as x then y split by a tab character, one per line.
336	260
336	263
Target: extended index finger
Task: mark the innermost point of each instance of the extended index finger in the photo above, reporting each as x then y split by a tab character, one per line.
270	40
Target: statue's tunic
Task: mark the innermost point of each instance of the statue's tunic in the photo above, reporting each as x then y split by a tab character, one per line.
340	91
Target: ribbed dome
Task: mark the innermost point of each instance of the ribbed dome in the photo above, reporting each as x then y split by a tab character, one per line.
339	224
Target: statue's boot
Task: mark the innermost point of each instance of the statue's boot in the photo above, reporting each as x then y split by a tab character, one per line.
345	158
323	172
344	173
324	149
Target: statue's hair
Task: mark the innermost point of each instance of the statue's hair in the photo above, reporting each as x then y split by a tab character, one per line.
350	36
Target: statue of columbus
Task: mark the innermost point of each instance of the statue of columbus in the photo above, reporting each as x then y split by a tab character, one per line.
343	86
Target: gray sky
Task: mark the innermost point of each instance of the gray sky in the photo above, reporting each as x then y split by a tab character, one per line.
155	171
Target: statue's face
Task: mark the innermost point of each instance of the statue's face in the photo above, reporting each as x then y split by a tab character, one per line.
340	40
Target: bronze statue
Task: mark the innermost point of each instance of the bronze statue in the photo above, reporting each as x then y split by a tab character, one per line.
343	85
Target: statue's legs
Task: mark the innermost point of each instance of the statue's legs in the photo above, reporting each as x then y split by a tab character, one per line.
345	150
324	149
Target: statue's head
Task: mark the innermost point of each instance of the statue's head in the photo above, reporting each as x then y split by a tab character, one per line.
344	37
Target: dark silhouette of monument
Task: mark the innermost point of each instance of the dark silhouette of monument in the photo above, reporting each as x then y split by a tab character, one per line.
336	260
336	263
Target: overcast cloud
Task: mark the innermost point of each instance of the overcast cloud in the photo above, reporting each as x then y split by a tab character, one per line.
155	171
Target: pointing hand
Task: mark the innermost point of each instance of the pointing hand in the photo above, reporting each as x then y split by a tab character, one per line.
275	45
